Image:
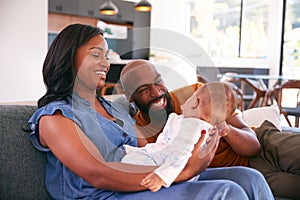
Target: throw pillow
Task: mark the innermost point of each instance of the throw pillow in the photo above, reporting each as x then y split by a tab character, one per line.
254	117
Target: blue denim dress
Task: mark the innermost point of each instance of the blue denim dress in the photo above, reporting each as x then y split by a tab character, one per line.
107	136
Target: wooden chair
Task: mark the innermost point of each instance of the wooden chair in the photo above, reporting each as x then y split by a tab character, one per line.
293	110
202	79
258	91
271	96
110	88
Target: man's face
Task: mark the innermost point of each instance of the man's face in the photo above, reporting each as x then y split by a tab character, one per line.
153	98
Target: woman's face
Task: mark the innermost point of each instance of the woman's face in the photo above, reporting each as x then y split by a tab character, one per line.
91	65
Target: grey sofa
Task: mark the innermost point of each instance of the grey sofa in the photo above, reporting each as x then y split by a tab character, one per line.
22	167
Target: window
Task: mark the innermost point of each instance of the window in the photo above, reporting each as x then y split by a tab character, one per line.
254	32
216	26
291	45
230	28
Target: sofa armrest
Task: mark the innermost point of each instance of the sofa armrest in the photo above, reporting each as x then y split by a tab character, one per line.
290	129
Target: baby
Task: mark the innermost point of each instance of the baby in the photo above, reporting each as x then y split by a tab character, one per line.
204	113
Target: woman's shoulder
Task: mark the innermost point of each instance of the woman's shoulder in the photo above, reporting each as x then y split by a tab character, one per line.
50	109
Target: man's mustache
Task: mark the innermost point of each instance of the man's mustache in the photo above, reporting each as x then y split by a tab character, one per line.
157	98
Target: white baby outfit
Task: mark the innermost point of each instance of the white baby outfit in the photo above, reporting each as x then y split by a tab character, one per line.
172	148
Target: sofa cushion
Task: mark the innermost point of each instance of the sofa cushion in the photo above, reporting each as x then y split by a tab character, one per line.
22	166
254	117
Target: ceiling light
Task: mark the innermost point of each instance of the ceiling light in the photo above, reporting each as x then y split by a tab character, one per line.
143	6
108	8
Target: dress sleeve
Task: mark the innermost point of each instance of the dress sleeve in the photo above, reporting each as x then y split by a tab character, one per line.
35	118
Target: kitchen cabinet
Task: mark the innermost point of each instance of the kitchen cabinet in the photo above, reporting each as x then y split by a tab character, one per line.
137	43
90	8
63	6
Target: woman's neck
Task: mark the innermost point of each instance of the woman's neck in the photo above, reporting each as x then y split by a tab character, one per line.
89	96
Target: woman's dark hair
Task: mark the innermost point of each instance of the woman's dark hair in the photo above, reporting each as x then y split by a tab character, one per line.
59	66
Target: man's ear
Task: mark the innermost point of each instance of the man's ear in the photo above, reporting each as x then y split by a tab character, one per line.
129	97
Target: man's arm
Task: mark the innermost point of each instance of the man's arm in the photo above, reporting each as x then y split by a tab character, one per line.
241	137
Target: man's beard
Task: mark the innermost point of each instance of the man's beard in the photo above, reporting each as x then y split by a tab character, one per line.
157	115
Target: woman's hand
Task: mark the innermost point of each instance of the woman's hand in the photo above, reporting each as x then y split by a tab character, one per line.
197	164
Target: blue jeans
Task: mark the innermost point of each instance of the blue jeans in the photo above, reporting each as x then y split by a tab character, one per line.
251	180
238	183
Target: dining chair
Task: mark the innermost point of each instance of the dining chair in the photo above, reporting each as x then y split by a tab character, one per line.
202	79
110	88
293	107
271	96
259	92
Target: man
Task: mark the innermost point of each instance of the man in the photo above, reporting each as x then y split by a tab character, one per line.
144	86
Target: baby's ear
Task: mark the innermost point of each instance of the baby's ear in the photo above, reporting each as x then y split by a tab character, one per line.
196	103
191	108
194	100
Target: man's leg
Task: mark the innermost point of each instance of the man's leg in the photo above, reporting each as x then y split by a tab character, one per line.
279	160
281	149
251	180
282	184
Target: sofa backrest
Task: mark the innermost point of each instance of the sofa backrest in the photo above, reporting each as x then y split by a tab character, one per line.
22	167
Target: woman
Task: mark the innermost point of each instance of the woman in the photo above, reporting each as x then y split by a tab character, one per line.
84	144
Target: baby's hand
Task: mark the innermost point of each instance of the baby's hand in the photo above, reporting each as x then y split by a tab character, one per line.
153	182
223	128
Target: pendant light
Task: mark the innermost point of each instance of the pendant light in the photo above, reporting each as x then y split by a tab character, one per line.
108	8
143	6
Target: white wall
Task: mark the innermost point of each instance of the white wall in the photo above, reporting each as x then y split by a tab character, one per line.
23	46
171	45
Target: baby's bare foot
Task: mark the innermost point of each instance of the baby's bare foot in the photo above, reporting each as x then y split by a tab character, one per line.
153	182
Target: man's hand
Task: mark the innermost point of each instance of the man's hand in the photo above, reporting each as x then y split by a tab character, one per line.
195	164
